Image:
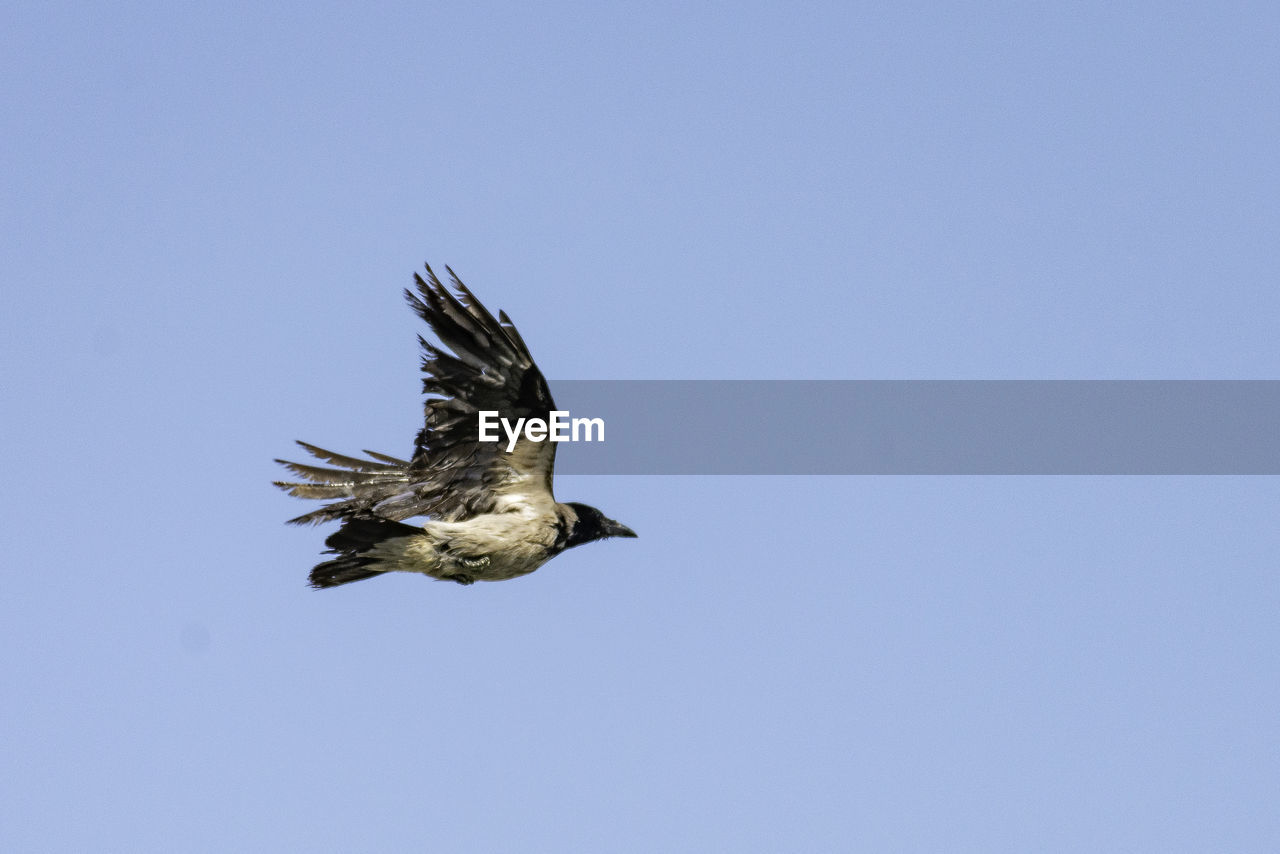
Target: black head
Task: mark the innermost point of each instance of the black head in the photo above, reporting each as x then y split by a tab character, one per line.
592	525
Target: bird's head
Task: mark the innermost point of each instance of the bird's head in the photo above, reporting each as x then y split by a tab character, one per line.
587	524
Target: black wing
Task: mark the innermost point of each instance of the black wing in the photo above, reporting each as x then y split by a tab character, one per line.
453	475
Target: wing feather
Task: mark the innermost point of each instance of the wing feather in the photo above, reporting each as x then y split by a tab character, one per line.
456	475
484	365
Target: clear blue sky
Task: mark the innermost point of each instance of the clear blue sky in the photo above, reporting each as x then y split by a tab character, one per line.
209	211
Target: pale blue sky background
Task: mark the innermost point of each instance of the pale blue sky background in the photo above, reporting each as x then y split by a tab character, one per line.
209	212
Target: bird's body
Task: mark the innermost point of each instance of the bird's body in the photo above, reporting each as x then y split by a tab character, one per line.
463	548
491	514
464	551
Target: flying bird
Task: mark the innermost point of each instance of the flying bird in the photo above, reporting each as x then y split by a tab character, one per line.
490	513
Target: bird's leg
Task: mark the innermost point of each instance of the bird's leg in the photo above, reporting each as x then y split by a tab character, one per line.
468	563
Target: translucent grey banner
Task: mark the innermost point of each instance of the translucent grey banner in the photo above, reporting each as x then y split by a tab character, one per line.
924	427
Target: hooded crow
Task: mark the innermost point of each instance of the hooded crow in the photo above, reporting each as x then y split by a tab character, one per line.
490	512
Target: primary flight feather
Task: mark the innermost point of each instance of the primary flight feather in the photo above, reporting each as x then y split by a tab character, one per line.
491	514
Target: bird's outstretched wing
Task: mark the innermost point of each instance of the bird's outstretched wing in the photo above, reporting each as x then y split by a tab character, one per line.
456	475
453	475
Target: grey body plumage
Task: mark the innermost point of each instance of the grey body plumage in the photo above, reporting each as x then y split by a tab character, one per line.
490	514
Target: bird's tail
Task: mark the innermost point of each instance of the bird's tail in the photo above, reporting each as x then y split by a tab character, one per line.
353	543
356	486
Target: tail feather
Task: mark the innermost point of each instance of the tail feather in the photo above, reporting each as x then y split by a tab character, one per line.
352	543
344	570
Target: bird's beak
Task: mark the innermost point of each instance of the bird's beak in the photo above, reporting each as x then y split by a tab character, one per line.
617	529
